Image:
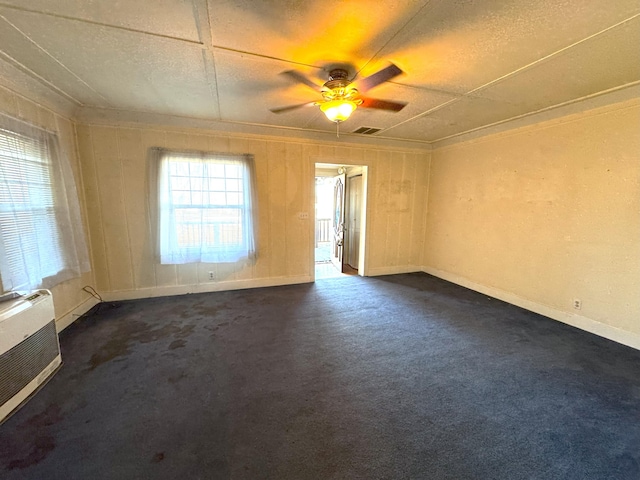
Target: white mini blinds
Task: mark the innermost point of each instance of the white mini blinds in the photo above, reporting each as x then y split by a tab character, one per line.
206	208
41	235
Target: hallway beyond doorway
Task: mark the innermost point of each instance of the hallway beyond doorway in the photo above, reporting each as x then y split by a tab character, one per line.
339	220
324	267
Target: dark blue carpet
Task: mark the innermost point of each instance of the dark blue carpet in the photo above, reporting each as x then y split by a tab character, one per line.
397	377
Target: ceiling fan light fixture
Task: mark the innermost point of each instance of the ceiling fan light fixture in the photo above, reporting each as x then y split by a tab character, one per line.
338	110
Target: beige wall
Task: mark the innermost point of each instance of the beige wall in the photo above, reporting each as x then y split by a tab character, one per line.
69	298
537	216
544	215
114	173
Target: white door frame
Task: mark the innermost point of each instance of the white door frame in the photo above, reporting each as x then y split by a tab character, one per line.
352	170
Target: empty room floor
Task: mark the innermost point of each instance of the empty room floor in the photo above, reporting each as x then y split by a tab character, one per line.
395	377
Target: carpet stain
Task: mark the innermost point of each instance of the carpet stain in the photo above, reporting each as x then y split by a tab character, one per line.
177	378
34	442
120	343
211	310
158	457
214	328
177	344
185	331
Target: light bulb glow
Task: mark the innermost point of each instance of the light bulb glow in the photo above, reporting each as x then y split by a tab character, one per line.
338	110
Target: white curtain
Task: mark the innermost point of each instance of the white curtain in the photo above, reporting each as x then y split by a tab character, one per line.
42	239
203	206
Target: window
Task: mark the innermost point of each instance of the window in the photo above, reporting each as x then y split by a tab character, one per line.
41	235
206	209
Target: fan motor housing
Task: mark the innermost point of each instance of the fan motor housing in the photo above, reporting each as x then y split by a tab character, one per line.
338	78
339	87
338	74
340	91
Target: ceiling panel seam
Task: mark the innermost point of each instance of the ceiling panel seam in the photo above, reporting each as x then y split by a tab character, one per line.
201	44
553	54
9	59
515	72
428	89
203	24
539	111
100	24
259	55
205	34
411	18
88	109
55	43
43	50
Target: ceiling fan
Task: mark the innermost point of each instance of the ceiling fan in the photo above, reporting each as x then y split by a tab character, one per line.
341	96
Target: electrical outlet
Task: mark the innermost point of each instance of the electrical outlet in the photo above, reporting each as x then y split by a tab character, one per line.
577	303
211	276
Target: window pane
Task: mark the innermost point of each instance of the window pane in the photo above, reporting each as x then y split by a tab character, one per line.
216	170
217	184
31	238
196	198
182	169
180	197
217	198
196	169
234	199
233	170
180	183
232	185
214	221
197	183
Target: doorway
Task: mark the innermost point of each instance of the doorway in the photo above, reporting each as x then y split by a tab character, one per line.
353	206
339	220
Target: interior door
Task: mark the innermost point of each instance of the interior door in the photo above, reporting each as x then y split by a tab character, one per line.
352	220
337	240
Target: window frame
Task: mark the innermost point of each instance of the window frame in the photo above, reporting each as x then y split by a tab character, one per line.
41	232
201	170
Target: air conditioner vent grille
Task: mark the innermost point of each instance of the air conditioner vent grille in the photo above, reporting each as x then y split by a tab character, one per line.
22	363
367	130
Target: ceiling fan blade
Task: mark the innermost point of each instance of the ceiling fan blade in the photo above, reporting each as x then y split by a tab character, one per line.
382	104
299	77
377	78
292	107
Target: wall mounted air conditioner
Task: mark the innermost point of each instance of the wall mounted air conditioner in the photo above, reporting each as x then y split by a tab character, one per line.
29	348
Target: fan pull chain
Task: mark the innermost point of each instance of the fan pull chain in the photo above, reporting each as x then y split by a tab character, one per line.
337	129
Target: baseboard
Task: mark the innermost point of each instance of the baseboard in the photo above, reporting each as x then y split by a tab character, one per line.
203	288
374	272
68	318
583	323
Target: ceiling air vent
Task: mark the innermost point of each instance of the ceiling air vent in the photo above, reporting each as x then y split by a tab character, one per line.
366	130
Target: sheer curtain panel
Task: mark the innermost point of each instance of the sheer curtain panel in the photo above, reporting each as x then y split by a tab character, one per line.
203	206
41	234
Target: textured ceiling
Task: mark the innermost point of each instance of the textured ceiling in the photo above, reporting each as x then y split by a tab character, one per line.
467	64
